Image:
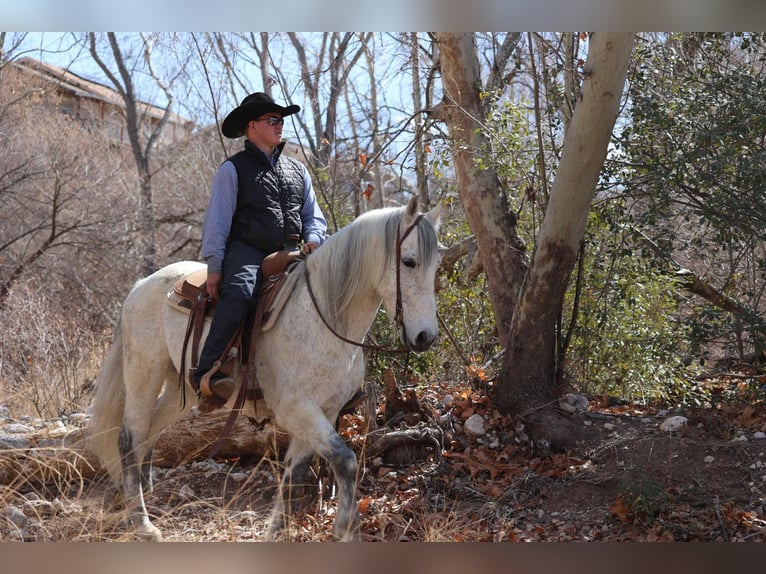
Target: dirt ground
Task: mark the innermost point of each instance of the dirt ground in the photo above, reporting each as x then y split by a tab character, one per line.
631	480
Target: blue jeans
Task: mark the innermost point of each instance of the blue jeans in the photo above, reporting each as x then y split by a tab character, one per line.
238	293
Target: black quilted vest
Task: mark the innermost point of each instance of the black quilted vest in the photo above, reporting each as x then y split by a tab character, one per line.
269	201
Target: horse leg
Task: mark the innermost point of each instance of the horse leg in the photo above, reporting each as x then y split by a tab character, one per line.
133	476
313	433
135	446
297	461
342	460
168	410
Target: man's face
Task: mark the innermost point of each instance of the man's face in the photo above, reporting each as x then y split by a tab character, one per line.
266	130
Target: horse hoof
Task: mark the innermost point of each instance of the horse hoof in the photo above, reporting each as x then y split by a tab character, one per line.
352	534
148	532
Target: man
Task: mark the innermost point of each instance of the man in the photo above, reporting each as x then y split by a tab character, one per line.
261	201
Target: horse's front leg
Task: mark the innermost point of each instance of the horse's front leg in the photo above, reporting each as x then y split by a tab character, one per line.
344	465
312	433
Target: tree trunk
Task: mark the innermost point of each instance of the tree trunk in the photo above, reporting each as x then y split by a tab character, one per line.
527	377
501	251
417	104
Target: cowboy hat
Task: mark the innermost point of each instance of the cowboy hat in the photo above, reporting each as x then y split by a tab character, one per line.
253	106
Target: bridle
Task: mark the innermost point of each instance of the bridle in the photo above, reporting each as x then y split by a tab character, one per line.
398	317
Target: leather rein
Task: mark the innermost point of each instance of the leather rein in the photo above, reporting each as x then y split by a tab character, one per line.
398	319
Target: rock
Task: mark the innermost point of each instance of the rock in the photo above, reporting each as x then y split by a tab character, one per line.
40	509
16	517
609	427
574	402
474	426
239	477
186	492
709	459
79	419
13	441
447	401
759	435
673	424
16	428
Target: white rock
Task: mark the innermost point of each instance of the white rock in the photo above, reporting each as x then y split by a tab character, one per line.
574	402
186	491
608	426
672	424
239	476
16	516
39	509
709	459
740	438
759	435
474	426
565	406
17	428
14	441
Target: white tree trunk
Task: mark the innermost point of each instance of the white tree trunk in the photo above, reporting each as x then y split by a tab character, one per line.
527	377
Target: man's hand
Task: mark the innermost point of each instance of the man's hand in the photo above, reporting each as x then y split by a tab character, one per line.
213	281
310	247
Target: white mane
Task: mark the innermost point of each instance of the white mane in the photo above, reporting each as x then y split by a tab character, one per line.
352	261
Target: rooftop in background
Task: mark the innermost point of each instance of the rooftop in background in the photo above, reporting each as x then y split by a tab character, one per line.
100	107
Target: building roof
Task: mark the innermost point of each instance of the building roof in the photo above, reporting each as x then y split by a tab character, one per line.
80	87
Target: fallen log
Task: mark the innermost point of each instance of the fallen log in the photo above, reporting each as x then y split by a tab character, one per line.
66	458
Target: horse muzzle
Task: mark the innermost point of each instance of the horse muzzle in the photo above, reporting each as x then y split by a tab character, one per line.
421	342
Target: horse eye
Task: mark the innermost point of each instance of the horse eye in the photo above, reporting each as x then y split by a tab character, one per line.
409	262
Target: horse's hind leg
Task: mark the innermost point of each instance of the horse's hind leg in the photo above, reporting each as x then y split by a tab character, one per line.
135	444
297	461
170	407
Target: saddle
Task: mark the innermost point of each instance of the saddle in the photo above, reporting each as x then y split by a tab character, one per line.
191	294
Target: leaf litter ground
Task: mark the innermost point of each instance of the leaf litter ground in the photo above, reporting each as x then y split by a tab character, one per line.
629	481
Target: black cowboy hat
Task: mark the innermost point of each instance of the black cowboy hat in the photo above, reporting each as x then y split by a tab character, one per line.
252	107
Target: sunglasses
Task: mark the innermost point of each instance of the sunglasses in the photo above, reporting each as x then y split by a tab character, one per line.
273	120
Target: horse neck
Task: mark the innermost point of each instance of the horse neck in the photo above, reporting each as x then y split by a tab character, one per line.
359	318
349	270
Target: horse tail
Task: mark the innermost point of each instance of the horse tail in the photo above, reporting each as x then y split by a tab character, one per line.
108	408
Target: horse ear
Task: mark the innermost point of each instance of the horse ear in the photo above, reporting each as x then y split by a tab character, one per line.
411	212
434	216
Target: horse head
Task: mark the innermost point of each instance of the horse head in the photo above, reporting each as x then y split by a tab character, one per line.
412	300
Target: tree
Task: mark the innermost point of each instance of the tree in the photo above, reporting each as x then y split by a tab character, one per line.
486	206
142	140
527	378
53	191
692	161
